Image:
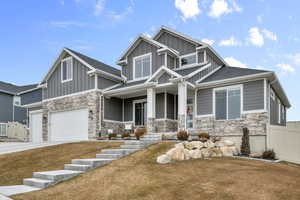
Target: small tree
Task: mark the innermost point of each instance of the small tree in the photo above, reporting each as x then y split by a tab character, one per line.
245	146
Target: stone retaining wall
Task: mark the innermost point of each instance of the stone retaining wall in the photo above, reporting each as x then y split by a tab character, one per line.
255	122
90	100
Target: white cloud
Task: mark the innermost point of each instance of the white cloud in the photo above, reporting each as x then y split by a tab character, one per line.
99	6
147	34
255	37
232	41
62	3
67	24
285	67
295	58
259	19
119	16
221	7
188	8
270	35
208	41
235	63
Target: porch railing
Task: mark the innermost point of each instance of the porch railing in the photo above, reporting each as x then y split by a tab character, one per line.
3	130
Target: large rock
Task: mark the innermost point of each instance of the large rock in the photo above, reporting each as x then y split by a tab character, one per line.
163	159
206	153
216	152
179	145
228	143
197	144
177	154
195	154
188	145
229	151
187	155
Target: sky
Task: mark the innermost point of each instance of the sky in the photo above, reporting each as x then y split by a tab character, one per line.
258	34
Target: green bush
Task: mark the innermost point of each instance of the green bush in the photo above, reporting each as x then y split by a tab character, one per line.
245	146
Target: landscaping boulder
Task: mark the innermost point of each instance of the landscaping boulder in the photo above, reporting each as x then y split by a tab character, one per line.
163	159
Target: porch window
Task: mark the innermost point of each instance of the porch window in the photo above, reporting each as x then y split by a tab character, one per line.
188	60
142	66
66	69
228	103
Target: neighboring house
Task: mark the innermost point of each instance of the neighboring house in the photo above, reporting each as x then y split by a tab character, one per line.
167	83
11	98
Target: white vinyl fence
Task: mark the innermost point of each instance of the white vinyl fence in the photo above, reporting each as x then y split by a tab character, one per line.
285	141
3	130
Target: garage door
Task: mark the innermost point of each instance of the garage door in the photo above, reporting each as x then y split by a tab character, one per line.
36	126
69	125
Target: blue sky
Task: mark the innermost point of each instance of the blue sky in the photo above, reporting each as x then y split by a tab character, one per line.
261	34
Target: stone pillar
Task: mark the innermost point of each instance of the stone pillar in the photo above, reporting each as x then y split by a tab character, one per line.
151	97
182	105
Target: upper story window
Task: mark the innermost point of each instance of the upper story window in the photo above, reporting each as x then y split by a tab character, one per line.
228	103
142	66
187	60
67	69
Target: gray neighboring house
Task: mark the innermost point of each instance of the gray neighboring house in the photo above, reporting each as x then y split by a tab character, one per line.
166	83
11	99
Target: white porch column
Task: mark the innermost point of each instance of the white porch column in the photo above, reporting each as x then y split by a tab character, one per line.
151	105
182	105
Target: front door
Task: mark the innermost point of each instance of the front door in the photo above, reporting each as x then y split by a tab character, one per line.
140	109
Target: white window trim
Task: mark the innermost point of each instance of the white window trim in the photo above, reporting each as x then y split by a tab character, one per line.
141	56
189	65
272	94
61	69
228	88
133	109
17	99
279	112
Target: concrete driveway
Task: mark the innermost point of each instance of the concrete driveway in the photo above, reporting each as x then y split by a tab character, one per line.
11	147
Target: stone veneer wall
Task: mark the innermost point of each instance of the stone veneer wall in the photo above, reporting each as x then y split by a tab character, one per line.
255	122
165	125
89	100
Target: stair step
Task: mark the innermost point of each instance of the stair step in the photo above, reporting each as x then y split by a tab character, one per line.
109	156
132	146
56	176
94	162
123	152
36	182
77	167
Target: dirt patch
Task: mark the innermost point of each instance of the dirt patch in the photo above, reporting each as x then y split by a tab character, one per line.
16	166
140	177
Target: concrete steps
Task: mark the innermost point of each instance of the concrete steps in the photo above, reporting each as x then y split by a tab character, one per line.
79	166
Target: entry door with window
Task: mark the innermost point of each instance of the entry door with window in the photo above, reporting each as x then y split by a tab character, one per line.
140	111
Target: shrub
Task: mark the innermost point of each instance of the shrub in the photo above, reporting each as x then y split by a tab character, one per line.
139	132
269	154
203	137
245	146
125	135
182	135
112	135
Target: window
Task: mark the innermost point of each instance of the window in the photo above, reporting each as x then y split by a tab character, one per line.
228	103
17	100
66	69
142	66
188	60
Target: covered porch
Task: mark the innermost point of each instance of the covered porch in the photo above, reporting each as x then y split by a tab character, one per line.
160	108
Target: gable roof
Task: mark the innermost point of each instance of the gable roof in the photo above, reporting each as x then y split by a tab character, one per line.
91	63
197	42
14	89
140	38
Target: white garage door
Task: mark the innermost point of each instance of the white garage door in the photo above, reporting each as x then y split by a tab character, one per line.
69	125
36	126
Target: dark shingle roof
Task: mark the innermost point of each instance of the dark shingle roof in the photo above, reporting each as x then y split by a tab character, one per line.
184	72
124	85
231	72
8	87
97	64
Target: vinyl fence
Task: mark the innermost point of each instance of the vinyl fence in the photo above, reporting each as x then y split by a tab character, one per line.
3	130
285	141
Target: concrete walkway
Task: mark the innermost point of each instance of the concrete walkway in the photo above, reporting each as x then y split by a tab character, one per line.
11	147
16	189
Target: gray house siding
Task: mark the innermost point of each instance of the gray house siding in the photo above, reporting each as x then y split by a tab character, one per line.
254	95
81	81
164	78
181	45
160	106
204	102
200	56
31	97
171	62
105	83
128	107
113	109
143	48
170	106
274	112
20	114
6	102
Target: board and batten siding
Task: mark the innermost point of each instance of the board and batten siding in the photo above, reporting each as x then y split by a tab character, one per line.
143	48
81	81
164	78
170	106
274	112
105	83
31	97
6	104
254	95
253	98
177	43
128	107
113	109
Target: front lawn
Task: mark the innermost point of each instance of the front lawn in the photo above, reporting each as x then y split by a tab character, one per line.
16	166
139	177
